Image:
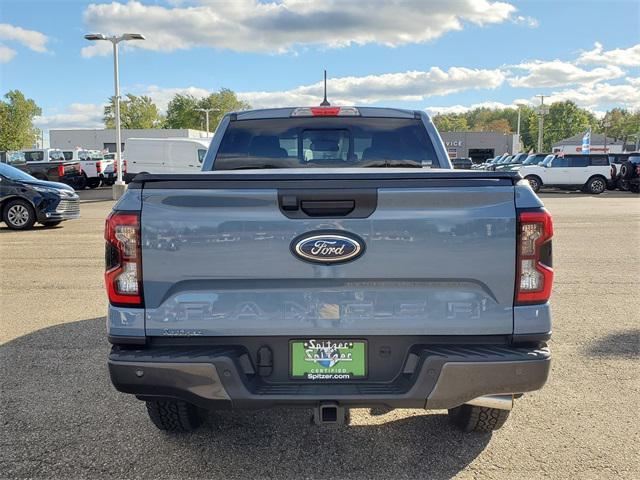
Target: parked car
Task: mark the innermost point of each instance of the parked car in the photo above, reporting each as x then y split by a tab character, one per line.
345	280
55	169
95	167
629	176
532	159
25	200
505	160
165	155
516	160
590	173
616	160
462	163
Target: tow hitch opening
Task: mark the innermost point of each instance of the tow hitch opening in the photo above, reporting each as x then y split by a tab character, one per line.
330	413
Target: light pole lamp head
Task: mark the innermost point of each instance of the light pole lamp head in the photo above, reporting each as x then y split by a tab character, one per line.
133	36
95	36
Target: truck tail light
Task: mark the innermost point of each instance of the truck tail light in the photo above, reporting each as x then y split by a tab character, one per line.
534	273
99	166
326	112
123	266
61	170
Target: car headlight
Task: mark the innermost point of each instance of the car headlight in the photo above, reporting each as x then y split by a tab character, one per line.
46	189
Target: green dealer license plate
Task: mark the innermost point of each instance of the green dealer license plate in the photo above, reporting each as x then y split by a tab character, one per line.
328	359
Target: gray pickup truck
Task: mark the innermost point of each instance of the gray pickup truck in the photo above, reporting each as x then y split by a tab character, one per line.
329	258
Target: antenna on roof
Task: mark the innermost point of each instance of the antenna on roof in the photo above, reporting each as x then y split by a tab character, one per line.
325	103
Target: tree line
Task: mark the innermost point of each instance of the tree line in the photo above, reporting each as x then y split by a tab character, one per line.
182	111
564	119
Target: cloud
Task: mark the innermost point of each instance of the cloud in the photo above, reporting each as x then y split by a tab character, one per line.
279	26
79	115
556	73
31	39
405	86
465	108
591	96
6	54
629	57
528	21
162	96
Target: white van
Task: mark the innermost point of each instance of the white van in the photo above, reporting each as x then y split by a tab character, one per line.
164	155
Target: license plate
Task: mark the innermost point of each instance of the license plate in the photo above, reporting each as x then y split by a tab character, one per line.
328	359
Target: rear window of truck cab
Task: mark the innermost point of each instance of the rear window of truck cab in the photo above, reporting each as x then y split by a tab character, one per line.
325	142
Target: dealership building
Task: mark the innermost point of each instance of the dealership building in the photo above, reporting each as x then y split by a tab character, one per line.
105	138
479	146
574	145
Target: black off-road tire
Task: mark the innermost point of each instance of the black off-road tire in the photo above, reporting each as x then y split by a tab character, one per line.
535	182
19	215
596	185
627	170
470	418
174	416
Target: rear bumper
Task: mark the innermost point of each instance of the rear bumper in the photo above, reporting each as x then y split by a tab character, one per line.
434	377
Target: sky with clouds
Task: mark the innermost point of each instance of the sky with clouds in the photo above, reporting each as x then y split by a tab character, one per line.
441	55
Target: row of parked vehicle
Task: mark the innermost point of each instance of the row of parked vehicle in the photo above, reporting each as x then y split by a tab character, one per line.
591	173
78	168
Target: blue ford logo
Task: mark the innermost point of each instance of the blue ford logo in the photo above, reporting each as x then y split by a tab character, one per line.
327	248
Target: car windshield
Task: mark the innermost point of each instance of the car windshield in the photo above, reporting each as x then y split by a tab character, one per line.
532	160
547	160
12	173
330	142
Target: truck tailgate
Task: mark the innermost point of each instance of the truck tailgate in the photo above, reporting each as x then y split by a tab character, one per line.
217	254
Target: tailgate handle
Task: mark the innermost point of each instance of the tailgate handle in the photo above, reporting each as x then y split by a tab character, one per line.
327	208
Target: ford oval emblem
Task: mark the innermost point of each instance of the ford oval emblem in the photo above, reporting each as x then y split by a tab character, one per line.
327	247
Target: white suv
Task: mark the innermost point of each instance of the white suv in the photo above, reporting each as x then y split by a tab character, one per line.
590	173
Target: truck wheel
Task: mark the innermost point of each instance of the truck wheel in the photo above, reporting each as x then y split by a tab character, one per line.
81	183
471	418
596	185
19	215
93	182
174	415
535	182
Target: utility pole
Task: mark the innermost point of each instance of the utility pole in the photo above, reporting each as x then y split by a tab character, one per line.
606	124
542	110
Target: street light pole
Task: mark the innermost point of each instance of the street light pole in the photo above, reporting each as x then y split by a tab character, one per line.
116	81
119	187
541	113
206	113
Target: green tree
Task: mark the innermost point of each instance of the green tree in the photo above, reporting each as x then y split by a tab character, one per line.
16	121
564	120
623	124
451	122
182	111
135	112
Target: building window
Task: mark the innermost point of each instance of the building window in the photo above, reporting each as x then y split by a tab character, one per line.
111	147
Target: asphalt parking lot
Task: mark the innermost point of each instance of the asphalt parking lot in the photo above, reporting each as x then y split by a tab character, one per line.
61	418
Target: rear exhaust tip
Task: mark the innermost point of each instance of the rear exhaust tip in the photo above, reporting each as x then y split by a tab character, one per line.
501	402
330	413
